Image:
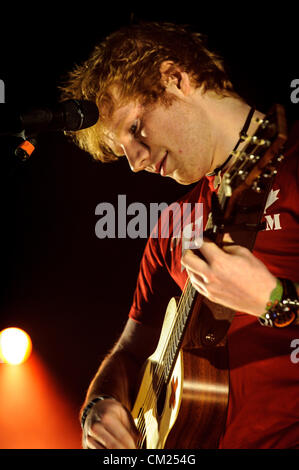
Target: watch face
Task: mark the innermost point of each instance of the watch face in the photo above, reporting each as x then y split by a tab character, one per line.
284	318
279	316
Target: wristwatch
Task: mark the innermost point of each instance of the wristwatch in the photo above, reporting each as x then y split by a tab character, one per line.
283	312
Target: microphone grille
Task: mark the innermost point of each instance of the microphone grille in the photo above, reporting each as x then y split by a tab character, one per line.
79	114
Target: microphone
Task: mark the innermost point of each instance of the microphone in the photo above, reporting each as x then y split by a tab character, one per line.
69	115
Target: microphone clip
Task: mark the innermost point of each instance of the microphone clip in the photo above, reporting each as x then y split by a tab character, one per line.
25	148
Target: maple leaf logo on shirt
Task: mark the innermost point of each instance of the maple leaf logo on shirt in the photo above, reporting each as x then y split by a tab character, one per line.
272	197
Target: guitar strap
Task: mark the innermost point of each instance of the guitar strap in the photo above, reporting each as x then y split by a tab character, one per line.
243	134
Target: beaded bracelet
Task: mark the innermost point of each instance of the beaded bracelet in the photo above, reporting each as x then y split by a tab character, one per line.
90	405
275	296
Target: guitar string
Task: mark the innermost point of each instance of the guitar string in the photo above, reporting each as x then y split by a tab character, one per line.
188	286
151	394
151	398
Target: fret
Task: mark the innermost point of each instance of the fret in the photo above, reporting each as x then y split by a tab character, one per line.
176	335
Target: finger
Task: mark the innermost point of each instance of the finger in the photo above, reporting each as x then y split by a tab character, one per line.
113	433
113	424
109	440
231	247
118	437
227	243
92	443
228	238
131	432
197	277
198	283
210	251
195	264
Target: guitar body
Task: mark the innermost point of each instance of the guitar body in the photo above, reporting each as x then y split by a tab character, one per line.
205	391
194	397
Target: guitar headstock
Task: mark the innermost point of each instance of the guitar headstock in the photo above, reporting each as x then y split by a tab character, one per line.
257	161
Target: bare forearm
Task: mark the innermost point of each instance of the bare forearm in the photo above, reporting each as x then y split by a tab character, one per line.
116	377
108	423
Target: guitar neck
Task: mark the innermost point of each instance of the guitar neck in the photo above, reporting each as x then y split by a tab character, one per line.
184	310
177	331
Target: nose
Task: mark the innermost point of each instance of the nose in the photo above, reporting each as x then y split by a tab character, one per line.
138	156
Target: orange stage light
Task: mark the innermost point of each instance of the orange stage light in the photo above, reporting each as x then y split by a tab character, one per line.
15	346
35	410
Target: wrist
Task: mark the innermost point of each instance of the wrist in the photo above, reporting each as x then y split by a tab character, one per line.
266	296
90	405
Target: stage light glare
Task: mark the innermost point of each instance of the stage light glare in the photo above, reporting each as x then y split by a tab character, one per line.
15	346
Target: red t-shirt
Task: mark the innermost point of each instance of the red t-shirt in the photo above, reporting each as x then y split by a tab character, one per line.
263	410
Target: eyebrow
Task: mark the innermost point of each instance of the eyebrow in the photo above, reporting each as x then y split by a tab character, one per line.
119	123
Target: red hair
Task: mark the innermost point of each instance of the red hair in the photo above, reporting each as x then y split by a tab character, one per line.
130	59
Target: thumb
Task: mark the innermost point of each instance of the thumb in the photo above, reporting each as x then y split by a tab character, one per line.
227	239
228	243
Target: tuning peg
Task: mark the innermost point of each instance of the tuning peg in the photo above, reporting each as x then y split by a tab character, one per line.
269	172
242	174
254	158
256	186
262	122
261	142
227	185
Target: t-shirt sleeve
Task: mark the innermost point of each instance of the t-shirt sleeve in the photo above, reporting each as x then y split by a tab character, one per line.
154	287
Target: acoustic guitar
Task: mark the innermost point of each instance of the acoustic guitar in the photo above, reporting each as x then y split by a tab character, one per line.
183	393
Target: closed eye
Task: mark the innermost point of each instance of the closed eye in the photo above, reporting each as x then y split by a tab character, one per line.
134	128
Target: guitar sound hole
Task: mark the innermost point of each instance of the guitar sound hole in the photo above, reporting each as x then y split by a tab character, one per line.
161	400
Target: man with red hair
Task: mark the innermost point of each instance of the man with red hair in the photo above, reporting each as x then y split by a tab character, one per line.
168	106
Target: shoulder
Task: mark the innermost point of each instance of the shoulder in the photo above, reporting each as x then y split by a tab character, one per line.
292	144
290	165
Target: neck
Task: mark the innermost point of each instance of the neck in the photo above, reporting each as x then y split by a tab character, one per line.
228	115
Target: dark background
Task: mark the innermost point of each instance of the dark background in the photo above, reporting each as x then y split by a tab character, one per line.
68	289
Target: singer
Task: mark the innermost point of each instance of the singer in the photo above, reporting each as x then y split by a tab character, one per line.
168	107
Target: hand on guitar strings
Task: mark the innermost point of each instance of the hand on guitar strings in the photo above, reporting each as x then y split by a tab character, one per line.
231	276
109	426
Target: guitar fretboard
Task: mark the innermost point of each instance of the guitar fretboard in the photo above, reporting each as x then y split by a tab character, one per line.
177	332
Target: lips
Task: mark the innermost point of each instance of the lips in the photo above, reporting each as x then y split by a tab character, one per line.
161	165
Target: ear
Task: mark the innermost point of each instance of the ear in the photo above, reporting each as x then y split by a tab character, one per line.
174	78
